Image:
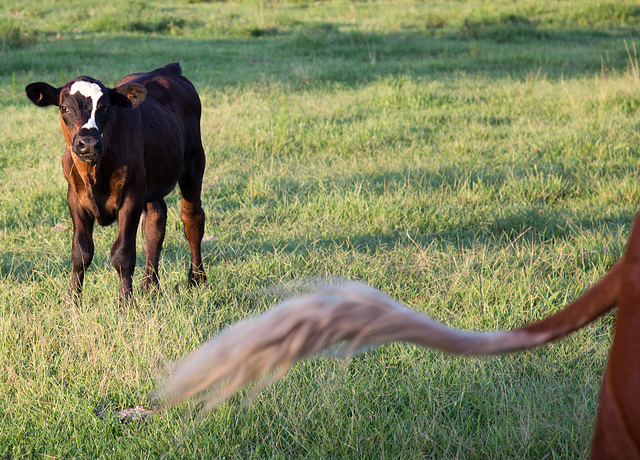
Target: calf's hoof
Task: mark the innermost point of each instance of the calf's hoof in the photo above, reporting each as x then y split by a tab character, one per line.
73	299
197	278
126	300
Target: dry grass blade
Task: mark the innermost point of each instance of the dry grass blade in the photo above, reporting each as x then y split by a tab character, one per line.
633	61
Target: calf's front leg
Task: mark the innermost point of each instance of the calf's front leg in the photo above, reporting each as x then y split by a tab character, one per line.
81	247
123	251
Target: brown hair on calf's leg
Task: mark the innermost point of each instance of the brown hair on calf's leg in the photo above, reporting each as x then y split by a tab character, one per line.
192	215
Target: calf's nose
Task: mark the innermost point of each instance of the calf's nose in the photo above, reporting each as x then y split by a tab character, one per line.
87	145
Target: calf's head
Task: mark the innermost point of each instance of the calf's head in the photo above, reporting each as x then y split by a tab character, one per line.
85	108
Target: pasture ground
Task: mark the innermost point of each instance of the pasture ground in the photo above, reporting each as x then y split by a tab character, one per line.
477	160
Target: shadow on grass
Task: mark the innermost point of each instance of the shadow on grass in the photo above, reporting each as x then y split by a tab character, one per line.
531	225
322	54
534	222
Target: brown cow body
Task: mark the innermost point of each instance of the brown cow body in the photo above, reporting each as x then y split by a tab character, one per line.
255	348
617	433
127	148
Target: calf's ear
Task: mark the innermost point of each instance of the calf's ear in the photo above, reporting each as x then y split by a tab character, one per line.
43	94
128	95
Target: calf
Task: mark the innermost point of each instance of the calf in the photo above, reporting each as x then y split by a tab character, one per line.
127	147
262	348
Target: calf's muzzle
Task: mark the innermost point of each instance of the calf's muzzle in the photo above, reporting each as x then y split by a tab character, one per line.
87	143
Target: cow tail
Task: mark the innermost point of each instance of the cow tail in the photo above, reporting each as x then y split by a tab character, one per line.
262	348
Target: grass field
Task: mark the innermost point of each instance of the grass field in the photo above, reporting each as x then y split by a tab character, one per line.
477	160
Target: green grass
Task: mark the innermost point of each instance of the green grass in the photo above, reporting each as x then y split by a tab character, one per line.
476	160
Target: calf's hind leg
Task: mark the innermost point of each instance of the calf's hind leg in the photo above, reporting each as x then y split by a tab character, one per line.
193	219
155	224
193	216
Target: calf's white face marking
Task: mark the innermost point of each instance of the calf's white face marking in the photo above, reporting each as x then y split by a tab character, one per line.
90	91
